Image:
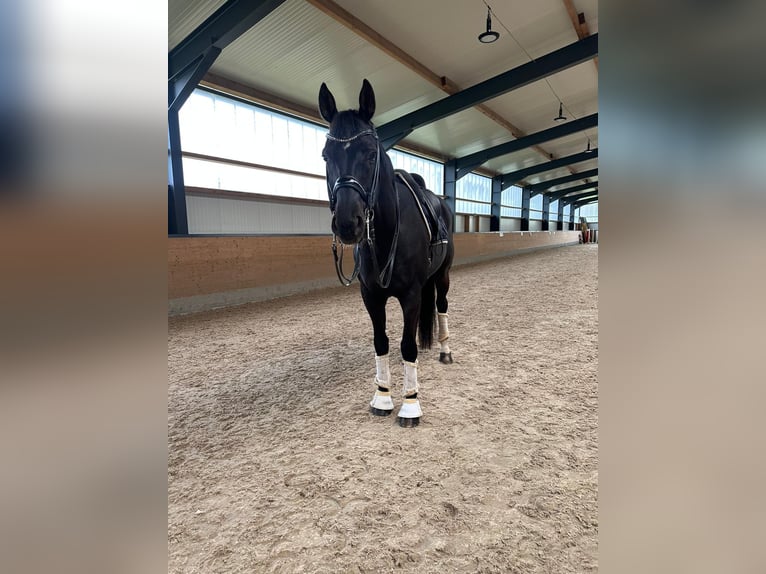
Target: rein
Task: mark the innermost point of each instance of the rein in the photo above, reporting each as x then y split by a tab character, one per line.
382	278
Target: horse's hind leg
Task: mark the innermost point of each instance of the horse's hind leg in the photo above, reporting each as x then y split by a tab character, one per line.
442	287
381	403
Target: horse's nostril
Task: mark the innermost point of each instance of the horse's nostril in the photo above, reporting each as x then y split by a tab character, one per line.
359	221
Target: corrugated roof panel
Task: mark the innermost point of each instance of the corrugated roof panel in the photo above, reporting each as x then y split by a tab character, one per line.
435	32
459	134
533	107
574	143
297	47
515	161
185	15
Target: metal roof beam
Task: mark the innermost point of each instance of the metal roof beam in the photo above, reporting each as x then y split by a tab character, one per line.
470	162
224	26
543	185
562	192
516	176
544	66
181	87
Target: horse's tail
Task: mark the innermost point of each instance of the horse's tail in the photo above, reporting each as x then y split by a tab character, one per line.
427	313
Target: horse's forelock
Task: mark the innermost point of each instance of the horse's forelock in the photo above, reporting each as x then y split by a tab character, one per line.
347	124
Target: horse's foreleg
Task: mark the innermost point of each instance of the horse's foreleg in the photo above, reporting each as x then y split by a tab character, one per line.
381	403
410	413
442	287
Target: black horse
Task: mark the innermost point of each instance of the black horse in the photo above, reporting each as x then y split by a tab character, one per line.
402	235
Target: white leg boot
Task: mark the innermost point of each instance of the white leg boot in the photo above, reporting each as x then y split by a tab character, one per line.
410	413
445	355
381	403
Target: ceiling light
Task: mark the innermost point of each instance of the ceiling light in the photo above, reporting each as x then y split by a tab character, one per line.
490	35
588	150
561	115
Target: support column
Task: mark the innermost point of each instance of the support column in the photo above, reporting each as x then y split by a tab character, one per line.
571	217
497	196
546	211
450	187
525	196
177	220
180	87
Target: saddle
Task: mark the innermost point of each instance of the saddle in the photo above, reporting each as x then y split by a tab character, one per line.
428	205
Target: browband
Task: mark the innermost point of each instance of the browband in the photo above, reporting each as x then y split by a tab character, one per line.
352	138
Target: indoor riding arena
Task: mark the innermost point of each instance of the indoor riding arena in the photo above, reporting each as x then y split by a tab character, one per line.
275	461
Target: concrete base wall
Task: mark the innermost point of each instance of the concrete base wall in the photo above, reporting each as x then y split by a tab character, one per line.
211	272
475	247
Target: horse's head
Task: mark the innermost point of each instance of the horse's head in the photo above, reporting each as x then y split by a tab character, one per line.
352	155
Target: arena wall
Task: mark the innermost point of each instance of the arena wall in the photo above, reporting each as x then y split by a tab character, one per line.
208	272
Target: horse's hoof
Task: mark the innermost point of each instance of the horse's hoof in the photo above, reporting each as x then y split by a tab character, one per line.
409	423
445	358
380	412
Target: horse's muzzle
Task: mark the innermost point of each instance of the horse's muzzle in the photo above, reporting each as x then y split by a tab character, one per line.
349	232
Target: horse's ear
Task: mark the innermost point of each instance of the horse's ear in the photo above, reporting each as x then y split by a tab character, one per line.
327	106
366	101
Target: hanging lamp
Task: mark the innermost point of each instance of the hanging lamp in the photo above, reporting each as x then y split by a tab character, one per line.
490	35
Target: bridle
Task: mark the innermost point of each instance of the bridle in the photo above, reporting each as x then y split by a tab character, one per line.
369	197
350	181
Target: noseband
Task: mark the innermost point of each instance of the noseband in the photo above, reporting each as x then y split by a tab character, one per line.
383	278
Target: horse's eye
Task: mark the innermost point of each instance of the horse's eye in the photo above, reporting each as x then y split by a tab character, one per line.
372	156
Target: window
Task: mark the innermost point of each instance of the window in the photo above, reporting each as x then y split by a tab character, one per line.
220	127
217	126
536	207
553	211
431	171
510	202
473	194
590	212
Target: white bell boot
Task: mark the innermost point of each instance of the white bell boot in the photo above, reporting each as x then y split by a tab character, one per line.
445	355
410	413
381	403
